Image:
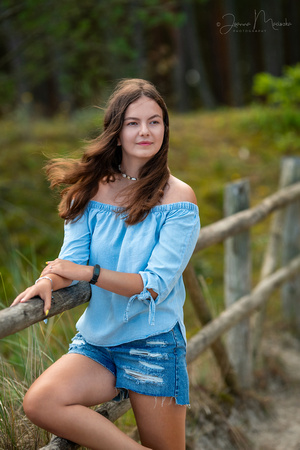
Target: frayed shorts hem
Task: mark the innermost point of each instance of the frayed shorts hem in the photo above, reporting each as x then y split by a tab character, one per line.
125	393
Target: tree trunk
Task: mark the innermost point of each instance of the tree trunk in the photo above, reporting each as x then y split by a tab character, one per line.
138	40
181	95
193	49
15	57
292	13
272	36
234	59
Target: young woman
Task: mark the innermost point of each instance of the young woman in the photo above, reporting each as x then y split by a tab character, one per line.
130	230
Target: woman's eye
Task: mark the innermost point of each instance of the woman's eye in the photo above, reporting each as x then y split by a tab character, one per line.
132	123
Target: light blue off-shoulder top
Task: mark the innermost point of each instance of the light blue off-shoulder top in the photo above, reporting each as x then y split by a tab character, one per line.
158	248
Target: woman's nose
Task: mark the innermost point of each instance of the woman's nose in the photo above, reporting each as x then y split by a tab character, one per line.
144	129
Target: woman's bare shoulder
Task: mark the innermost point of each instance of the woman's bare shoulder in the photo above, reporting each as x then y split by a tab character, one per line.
178	191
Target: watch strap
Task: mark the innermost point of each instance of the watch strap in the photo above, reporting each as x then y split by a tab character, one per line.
96	274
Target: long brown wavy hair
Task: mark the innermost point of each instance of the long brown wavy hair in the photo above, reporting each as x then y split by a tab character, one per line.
102	156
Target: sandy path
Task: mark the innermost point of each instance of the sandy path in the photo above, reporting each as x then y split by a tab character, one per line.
255	427
281	430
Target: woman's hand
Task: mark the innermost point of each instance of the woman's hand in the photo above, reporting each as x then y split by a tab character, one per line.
68	269
41	289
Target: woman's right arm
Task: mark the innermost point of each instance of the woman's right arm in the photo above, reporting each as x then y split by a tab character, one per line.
43	289
75	248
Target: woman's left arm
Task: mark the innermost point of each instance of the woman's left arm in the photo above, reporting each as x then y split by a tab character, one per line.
126	284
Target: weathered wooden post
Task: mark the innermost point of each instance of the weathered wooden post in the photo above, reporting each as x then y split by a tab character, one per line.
291	244
272	255
237	281
269	266
203	312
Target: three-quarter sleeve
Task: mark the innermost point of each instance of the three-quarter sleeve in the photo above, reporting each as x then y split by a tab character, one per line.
77	238
170	256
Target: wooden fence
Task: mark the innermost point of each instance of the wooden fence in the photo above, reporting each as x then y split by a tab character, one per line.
237	372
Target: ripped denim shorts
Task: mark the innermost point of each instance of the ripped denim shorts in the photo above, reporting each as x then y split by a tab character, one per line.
153	366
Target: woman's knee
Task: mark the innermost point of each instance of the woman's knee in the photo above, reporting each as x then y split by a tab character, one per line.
37	405
31	404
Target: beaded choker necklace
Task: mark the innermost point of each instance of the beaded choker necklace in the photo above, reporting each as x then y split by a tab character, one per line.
124	175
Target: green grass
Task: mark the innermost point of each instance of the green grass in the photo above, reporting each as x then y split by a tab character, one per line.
29	359
208	150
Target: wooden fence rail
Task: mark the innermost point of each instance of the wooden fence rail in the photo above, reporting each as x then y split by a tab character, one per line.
23	315
224	228
241	309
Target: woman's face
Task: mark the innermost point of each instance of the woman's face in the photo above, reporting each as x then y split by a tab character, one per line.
143	130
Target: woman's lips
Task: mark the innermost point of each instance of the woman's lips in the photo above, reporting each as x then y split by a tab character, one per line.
144	143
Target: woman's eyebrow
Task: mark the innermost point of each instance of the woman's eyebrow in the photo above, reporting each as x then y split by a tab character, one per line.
137	118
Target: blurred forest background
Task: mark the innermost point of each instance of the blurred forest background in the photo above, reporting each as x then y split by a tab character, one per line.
57	56
230	74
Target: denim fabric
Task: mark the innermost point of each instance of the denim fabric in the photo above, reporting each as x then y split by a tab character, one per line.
153	366
158	248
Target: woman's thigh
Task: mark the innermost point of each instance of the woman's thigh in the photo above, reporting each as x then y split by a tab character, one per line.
74	379
160	421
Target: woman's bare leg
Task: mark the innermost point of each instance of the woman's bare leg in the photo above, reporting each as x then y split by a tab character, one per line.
58	401
161	423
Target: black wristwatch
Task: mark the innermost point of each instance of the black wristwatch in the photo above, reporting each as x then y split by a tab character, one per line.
96	274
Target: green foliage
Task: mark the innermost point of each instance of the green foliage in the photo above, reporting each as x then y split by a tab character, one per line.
281	125
270	120
283	91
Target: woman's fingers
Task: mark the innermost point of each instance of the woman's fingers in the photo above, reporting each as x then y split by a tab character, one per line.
66	269
18	299
48	268
53	267
47	302
42	289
